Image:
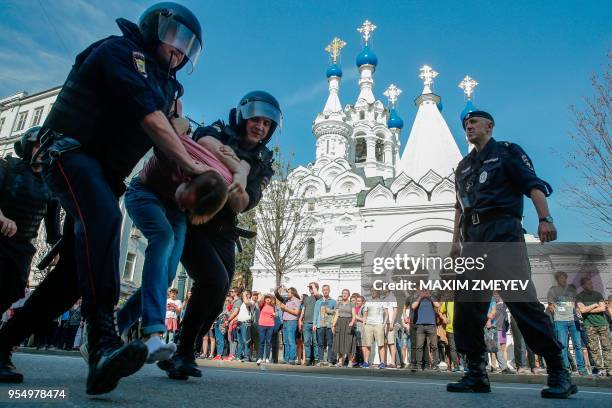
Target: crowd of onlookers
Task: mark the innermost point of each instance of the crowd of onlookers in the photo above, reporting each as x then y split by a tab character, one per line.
375	330
360	331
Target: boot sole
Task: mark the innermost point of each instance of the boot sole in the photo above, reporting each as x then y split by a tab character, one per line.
15	380
573	390
124	362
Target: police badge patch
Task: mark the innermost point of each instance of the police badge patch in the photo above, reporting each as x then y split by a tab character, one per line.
527	162
483	177
139	62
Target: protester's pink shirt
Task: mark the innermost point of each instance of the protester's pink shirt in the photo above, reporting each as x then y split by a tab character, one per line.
266	316
163	175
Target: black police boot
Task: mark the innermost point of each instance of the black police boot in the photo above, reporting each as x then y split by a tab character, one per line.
475	380
180	367
559	379
8	372
109	358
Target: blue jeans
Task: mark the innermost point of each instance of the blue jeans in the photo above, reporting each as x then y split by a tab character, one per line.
164	227
289	329
325	337
562	330
219	337
309	340
244	340
265	336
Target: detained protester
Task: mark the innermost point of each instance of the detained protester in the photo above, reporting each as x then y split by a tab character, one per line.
157	200
209	253
86	158
490	183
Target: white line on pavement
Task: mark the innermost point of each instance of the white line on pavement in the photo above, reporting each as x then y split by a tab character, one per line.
388	381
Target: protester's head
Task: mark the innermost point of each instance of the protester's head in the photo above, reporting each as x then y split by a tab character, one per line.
233	292
586	283
561	278
313	288
268	299
325	289
359	301
345	295
173	293
293	293
255	296
257	116
374	293
353	298
247	293
175	33
202	197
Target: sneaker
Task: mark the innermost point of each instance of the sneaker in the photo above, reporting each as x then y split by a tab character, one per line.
229	358
382	366
494	370
365	365
158	350
507	371
259	361
217	358
523	371
267	361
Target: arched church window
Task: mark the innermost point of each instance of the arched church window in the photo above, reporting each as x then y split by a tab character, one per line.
327	148
361	115
361	151
310	248
379	150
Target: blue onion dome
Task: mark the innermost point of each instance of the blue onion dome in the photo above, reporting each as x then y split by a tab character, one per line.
469	107
394	122
367	57
334	70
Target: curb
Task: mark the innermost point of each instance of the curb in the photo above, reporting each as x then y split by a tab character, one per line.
599	382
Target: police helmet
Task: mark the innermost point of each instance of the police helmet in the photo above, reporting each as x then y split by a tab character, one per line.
175	25
259	103
23	147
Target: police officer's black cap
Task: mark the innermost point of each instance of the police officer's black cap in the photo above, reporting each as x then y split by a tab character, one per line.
477	114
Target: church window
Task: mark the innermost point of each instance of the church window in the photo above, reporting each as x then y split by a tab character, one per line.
310	248
311	206
379	150
327	148
361	151
361	115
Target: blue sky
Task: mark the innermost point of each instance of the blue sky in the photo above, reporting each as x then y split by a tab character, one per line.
532	59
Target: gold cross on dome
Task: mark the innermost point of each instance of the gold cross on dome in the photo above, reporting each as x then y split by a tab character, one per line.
334	48
392	93
468	84
366	30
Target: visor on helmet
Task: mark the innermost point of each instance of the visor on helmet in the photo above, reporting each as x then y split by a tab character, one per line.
176	34
255	109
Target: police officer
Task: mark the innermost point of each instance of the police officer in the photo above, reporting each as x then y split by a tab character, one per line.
112	108
209	254
24	201
490	182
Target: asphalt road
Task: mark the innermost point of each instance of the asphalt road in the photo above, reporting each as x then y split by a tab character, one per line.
260	388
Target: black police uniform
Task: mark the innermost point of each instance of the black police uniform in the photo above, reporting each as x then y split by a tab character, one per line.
93	140
25	199
490	185
209	253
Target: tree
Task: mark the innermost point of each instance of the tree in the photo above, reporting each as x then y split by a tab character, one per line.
282	227
244	259
591	157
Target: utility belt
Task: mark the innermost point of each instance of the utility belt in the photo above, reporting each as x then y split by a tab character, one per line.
475	218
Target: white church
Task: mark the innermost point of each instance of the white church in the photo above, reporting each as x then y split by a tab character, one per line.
363	186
